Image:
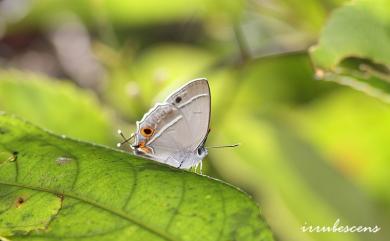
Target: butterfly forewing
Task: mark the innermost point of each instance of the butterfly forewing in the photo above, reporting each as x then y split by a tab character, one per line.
193	101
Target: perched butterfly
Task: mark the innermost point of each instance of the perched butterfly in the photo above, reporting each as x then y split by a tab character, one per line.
175	131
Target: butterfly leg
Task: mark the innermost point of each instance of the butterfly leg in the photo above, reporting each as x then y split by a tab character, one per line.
196	168
180	164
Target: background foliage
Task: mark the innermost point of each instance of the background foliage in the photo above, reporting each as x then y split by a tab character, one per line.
311	150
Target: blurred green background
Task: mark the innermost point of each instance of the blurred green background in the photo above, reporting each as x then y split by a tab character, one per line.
312	151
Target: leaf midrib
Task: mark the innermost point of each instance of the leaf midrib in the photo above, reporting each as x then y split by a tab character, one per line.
93	203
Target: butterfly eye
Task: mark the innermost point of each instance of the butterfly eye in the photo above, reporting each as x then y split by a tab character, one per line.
147	132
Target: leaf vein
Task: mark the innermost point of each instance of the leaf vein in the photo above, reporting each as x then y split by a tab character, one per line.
118	213
176	211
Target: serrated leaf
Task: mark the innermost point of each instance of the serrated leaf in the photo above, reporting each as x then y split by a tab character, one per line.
89	192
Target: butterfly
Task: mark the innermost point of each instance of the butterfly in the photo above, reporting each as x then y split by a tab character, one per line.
174	132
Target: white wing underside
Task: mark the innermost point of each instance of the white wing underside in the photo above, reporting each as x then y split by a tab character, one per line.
181	125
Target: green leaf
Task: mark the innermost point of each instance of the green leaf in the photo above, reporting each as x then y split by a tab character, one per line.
57	188
353	48
58	106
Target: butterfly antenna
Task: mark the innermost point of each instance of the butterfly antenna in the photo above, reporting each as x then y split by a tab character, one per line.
224	146
125	140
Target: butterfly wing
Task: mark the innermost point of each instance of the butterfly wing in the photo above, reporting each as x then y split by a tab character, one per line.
193	101
162	132
172	131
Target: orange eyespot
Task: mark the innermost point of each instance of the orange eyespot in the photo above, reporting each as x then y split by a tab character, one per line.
147	132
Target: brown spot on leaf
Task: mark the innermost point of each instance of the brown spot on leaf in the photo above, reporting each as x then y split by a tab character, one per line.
19	201
13	157
61	196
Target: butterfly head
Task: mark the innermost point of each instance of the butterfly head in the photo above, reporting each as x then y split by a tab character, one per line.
201	152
